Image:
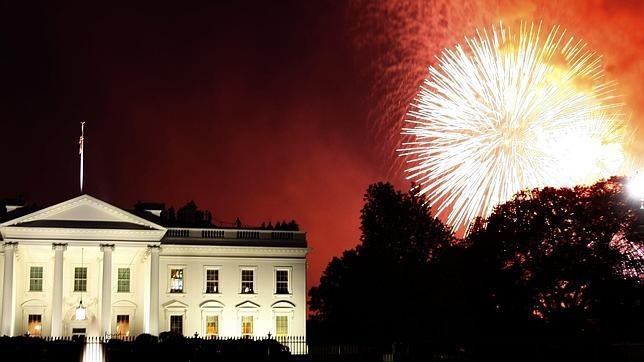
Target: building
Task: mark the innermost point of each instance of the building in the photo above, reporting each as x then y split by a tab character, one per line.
84	266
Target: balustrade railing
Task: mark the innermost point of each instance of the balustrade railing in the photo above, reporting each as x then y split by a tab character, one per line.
198	233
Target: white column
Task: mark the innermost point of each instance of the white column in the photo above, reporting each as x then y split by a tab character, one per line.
106	297
153	312
7	289
57	299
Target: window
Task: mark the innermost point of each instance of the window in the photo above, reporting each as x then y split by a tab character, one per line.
122	325
123	280
247	281
35	279
247	326
281	326
176	280
281	282
34	327
212	326
80	279
176	324
212	281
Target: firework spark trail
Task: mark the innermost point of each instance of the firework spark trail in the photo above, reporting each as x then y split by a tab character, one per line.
507	112
400	38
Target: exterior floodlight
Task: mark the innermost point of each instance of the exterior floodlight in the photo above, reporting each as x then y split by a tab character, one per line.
81	312
636	187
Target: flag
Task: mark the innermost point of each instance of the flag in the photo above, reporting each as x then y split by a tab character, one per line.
81	140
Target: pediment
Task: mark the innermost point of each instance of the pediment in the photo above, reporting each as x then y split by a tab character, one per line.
33	303
283	304
80	219
83	211
175	304
211	304
247	305
124	303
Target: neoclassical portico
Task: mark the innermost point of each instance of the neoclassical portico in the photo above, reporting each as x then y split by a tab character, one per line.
86	267
67	243
7	286
57	294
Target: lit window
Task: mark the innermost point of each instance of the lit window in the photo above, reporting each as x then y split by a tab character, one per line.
212	281
35	279
123	280
247	326
281	282
123	325
176	324
247	278
176	281
34	327
281	326
212	326
80	279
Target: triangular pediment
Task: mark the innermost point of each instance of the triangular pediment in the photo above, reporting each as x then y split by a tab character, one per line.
247	305
82	218
175	304
83	212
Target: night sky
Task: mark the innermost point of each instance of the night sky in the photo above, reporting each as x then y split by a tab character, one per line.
257	110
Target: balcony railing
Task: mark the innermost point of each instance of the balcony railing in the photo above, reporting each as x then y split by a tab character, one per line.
235	234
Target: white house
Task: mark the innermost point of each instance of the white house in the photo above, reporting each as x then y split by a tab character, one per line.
87	267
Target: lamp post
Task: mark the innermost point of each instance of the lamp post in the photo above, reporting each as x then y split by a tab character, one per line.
81	311
636	188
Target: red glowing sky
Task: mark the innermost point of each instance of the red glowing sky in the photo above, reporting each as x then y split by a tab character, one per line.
262	111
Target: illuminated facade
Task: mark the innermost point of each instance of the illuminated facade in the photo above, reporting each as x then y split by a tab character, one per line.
134	276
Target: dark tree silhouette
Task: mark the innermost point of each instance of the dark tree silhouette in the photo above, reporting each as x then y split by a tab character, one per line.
370	292
554	260
555	271
169	217
282	226
293	226
187	216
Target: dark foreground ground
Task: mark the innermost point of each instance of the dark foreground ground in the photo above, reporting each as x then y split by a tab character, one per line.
179	349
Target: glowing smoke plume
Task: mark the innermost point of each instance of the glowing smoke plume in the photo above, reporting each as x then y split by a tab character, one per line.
506	112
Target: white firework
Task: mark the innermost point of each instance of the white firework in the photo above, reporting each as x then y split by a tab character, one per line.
508	112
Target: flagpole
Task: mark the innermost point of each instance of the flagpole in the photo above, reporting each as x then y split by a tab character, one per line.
81	142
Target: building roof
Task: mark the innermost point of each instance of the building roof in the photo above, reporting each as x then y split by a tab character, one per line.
88	218
83	224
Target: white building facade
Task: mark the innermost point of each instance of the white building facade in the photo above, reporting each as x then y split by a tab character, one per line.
129	276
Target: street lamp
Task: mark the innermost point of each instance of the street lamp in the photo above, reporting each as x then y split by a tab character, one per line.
81	311
636	188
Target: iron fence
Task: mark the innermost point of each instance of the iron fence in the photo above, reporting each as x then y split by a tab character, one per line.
296	344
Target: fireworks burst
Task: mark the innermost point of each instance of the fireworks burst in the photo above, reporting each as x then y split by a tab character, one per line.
508	112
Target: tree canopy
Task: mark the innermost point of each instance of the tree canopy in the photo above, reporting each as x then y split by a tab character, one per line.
548	262
557	258
187	216
374	285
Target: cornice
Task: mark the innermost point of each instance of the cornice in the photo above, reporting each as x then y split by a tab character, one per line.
242	251
25	233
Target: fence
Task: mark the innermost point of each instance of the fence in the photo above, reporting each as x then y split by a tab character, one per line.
296	344
98	349
94	344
